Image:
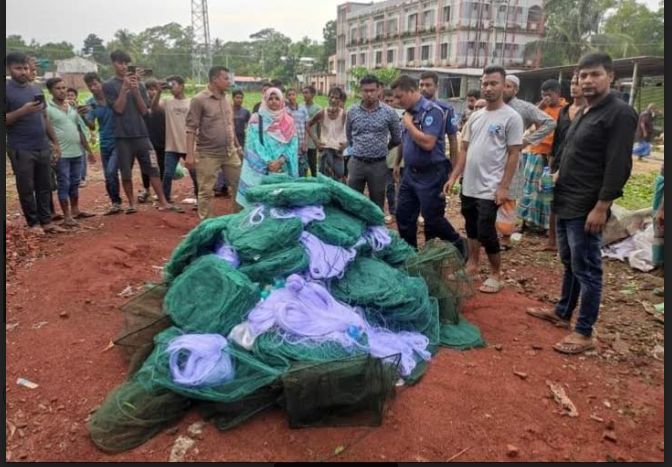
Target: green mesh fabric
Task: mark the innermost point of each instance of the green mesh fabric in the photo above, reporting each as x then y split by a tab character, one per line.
131	415
200	240
227	415
273	349
253	236
397	252
353	202
463	335
390	298
289	194
275	265
250	373
441	265
338	228
210	296
340	393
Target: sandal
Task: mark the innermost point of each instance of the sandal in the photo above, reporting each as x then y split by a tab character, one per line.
548	315
70	223
574	344
83	215
172	208
115	209
131	210
491	285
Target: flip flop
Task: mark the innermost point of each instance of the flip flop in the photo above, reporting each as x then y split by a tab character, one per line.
491	285
113	210
84	215
172	208
570	347
548	315
131	210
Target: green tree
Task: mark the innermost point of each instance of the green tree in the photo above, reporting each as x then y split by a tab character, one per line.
56	51
385	75
643	28
329	35
94	45
570	26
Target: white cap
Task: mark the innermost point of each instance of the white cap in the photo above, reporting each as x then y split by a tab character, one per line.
514	79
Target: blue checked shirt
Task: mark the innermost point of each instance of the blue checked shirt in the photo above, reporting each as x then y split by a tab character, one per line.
368	132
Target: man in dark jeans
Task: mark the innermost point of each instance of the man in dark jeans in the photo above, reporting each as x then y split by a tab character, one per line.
594	167
156	126
27	145
426	167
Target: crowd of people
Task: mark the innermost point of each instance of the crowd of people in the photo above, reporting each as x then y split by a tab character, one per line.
399	144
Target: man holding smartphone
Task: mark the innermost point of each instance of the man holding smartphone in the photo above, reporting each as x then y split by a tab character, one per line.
129	100
27	144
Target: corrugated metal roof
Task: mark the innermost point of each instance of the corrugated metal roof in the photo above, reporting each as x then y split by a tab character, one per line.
75	65
453	71
623	67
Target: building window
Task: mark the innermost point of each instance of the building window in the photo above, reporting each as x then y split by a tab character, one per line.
390	56
410	54
379	57
353	34
412	23
362	59
428	19
424	51
444	51
392	26
446	14
353	60
363	32
379	28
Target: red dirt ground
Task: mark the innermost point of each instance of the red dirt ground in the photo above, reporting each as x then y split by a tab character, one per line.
63	311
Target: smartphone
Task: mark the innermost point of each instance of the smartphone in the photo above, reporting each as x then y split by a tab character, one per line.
131	69
39	98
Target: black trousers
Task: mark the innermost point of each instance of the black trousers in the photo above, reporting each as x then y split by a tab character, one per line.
312	161
161	159
32	170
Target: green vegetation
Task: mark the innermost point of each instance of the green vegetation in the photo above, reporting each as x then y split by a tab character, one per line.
638	192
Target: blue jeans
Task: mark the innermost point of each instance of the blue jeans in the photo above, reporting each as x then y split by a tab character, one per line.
580	254
111	171
171	159
68	172
391	192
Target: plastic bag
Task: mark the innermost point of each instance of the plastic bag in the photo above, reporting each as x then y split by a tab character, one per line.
180	171
506	217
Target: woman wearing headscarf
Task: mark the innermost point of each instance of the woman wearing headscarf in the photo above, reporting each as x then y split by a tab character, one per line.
271	144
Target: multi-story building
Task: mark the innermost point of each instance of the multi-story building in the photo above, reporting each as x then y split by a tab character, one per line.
437	33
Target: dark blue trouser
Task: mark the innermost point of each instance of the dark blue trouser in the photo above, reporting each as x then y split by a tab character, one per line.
580	254
69	172
420	192
108	154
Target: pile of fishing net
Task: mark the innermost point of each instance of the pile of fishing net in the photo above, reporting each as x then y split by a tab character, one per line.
303	301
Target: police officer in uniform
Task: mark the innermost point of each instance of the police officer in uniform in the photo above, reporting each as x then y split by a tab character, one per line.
426	167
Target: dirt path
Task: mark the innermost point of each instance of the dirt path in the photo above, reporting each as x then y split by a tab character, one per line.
63	311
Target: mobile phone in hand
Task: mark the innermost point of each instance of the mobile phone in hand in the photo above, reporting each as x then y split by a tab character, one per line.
39	98
131	69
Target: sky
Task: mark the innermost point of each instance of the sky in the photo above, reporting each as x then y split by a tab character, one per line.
230	20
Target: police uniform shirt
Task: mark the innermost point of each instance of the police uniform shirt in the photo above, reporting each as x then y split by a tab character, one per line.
429	118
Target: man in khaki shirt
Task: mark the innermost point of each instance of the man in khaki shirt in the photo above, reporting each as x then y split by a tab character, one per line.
210	126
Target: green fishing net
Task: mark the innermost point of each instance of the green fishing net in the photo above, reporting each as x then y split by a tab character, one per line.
397	252
143	319
201	240
210	296
353	202
289	194
462	336
441	266
349	392
131	415
338	228
279	264
276	350
250	373
254	233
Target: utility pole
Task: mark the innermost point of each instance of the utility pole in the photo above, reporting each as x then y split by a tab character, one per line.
201	54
